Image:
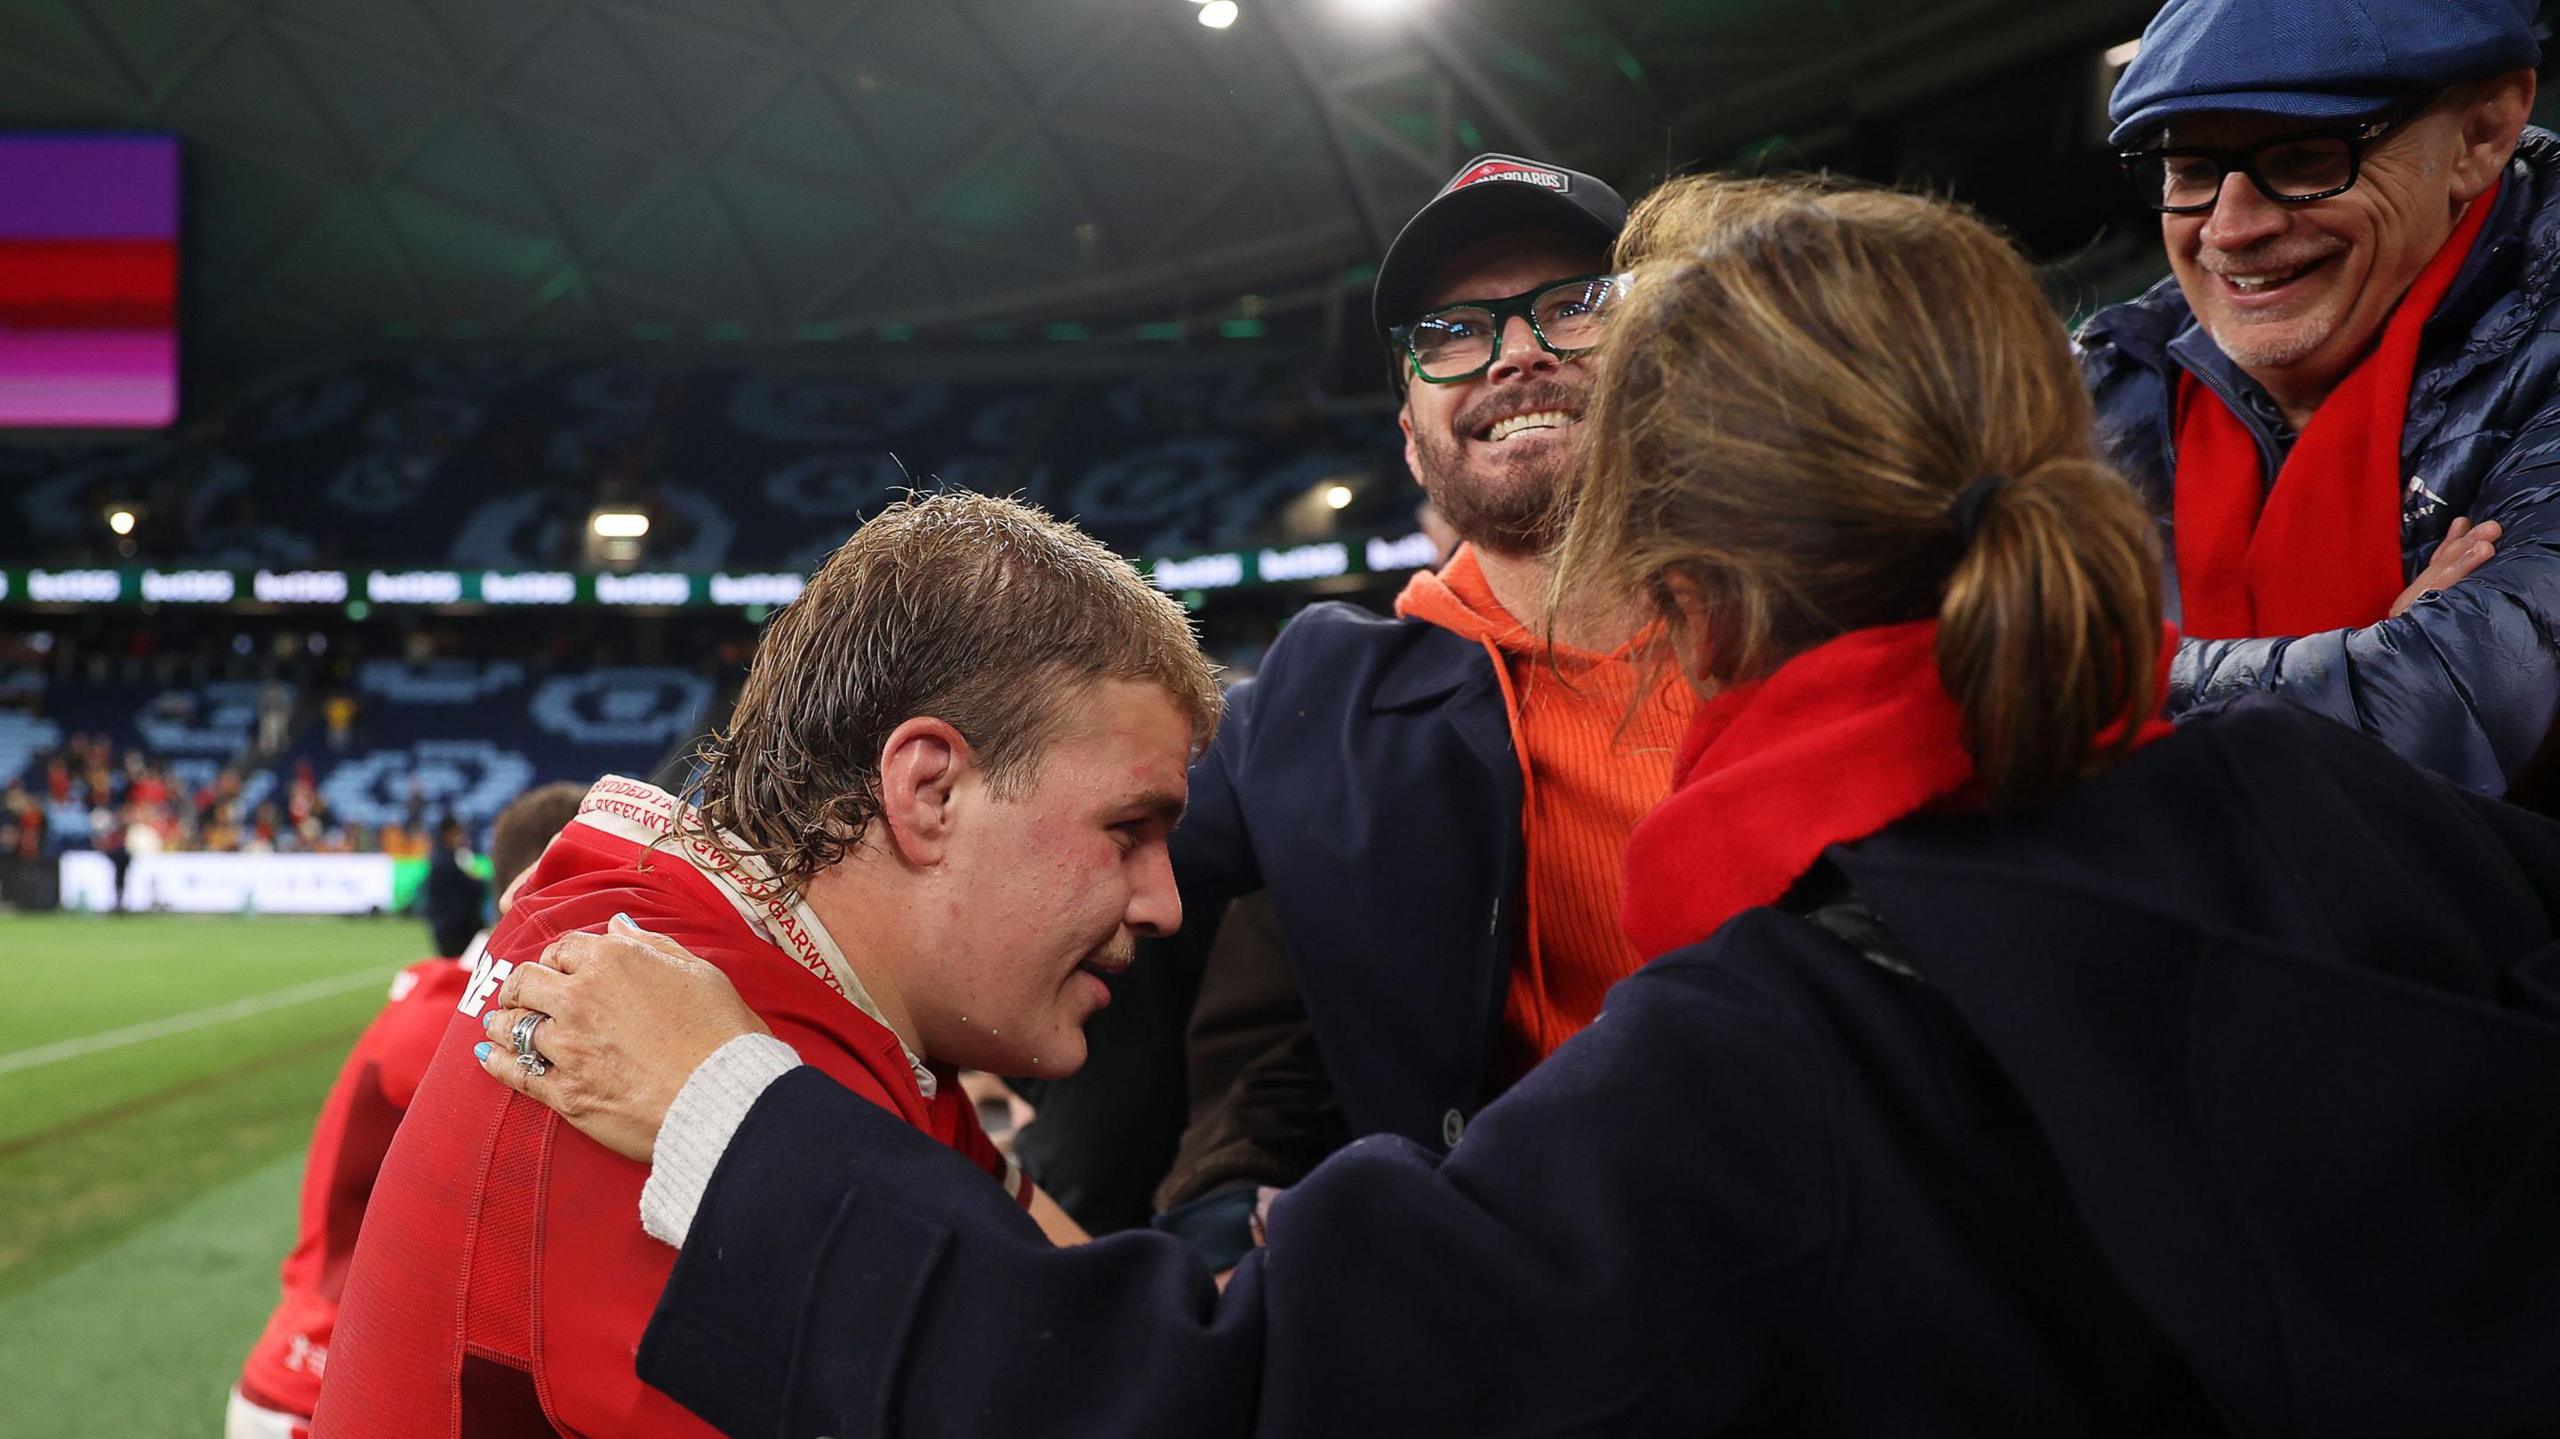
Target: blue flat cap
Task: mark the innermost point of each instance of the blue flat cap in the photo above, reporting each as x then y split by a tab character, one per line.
2313	60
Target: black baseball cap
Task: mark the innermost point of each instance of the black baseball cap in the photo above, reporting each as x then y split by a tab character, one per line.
1490	195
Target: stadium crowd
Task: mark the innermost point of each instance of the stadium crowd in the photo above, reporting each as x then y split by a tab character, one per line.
123	802
256	717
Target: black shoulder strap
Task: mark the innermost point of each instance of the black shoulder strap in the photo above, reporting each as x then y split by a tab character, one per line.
1828	901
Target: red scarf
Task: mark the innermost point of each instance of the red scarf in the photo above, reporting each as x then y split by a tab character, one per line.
1843	740
2320	549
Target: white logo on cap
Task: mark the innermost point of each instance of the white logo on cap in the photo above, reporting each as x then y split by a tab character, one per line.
1519	170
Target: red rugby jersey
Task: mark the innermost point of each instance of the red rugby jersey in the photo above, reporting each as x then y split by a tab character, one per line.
502	1280
354	1130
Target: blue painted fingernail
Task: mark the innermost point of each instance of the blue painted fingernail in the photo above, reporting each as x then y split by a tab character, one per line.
625	921
480	1051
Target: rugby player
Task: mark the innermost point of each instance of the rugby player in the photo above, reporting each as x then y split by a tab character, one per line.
280	1382
933	828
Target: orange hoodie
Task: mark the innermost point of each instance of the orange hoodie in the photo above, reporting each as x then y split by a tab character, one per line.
1589	769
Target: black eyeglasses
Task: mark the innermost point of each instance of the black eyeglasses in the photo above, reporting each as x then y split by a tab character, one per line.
2293	169
1459	342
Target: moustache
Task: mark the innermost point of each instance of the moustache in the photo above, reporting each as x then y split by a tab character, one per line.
1518	399
2255	261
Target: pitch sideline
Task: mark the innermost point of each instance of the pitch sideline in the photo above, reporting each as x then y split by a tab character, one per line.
151	1029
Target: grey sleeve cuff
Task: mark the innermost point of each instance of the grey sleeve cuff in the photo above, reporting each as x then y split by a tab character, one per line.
698	1126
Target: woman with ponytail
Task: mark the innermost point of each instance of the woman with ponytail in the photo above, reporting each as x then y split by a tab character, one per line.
2008	1061
1843	453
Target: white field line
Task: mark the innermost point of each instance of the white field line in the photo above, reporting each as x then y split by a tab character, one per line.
194	1019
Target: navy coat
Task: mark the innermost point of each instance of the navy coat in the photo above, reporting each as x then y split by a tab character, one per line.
2222	1095
1366	781
2468	683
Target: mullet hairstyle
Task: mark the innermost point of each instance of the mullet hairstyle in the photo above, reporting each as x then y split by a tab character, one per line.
984	613
1801	382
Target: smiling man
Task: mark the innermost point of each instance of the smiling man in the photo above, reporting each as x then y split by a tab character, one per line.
935	825
2343	399
1434	804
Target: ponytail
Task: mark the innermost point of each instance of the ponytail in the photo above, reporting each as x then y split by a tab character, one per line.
1801	392
2049	629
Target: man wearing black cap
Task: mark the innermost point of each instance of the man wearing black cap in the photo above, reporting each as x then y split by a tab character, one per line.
1490	397
1433	814
2343	400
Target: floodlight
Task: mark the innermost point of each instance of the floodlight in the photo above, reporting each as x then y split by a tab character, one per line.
1337	497
619	524
120	520
1218	14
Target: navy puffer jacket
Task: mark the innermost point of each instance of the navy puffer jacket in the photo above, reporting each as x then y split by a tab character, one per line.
2466	683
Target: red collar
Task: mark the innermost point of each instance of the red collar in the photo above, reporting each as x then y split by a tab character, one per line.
1840	742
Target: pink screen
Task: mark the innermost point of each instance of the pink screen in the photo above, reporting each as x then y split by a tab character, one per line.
88	280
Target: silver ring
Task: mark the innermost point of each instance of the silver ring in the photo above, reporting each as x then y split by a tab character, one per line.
528	1058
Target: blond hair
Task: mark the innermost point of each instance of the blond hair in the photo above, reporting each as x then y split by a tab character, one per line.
984	613
1802	380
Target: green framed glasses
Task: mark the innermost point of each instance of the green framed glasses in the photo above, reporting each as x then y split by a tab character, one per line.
1459	342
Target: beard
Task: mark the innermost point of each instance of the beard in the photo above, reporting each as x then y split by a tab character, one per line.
1509	504
2263	346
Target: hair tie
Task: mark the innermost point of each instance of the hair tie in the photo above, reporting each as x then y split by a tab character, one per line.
1967	510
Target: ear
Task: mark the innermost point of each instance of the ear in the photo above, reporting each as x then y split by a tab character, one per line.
1688	635
1412	454
920	766
2491	126
515	886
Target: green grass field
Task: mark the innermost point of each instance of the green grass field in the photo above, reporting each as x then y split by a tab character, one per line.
158	1078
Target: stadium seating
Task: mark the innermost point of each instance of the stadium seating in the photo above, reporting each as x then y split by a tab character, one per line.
466	738
498	465
22	738
440	737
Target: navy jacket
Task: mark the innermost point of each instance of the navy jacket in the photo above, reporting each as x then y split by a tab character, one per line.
2222	1095
1366	781
2467	683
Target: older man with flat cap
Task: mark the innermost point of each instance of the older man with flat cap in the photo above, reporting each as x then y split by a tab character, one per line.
2343	399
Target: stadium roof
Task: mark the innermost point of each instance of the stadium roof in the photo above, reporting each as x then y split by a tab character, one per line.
770	171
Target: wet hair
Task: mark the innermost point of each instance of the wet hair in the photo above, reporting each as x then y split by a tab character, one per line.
1803	379
525	826
984	613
